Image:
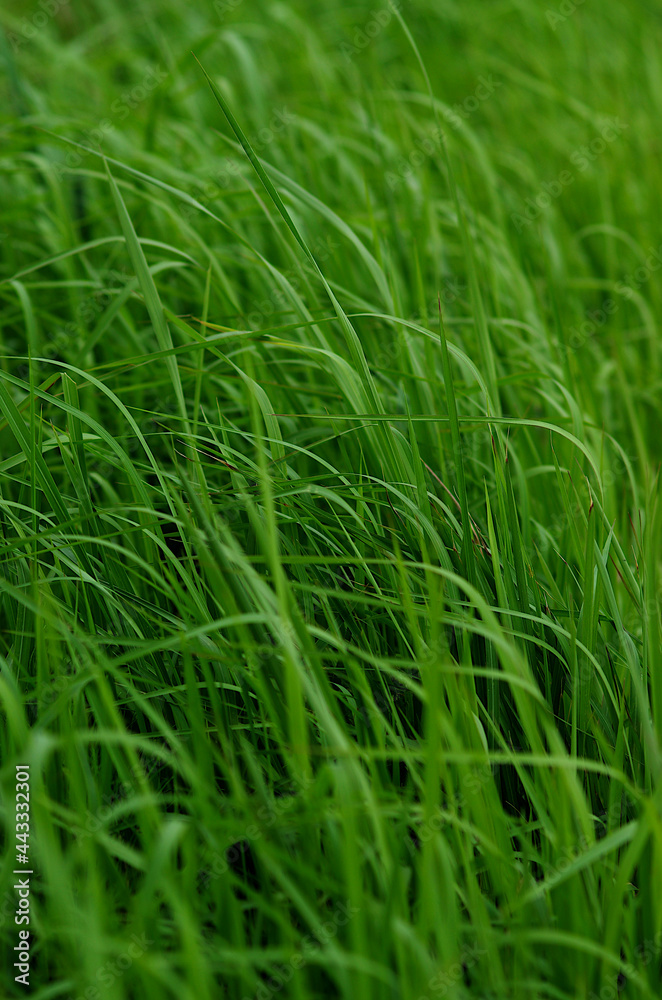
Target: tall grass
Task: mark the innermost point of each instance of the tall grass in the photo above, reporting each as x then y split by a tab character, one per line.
330	409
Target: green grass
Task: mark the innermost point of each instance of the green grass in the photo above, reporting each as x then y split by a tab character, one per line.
330	407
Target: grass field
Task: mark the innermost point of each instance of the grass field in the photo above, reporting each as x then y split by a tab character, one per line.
330	413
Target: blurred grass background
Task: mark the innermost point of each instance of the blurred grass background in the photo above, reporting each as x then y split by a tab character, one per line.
332	635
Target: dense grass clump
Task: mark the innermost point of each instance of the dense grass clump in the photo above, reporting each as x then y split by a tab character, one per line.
330	407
